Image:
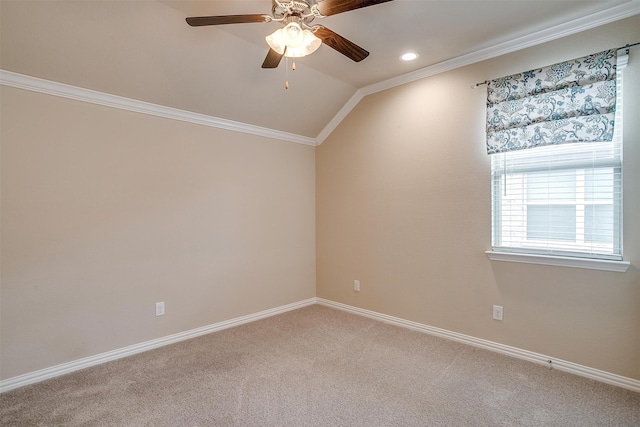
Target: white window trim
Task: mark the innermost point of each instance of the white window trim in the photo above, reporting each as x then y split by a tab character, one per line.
588	263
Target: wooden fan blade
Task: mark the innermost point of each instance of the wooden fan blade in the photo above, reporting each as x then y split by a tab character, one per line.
342	45
199	21
333	7
272	60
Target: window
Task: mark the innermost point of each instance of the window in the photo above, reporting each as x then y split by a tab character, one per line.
557	199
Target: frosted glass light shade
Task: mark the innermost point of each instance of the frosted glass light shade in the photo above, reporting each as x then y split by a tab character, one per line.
276	41
310	44
293	35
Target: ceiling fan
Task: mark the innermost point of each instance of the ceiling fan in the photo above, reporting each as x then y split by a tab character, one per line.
299	37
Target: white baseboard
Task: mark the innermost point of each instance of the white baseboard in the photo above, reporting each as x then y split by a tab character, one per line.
561	365
65	368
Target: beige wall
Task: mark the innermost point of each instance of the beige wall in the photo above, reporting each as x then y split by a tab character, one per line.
105	212
403	205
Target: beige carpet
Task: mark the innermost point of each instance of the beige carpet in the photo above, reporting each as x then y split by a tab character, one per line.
319	367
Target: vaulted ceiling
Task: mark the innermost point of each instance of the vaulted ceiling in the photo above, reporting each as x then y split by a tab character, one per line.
144	50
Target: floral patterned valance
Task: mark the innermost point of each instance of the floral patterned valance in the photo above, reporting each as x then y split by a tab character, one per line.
572	101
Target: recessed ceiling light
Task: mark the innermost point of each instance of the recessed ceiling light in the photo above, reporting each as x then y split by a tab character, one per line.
409	56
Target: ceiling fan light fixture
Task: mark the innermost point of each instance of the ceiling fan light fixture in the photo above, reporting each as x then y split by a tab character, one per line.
293	42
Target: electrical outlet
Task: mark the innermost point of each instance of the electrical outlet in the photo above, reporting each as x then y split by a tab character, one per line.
356	285
497	312
159	309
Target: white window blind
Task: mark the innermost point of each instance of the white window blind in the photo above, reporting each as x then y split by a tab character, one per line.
563	200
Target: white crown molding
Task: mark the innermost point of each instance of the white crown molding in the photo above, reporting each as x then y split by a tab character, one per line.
65	368
344	111
597	19
21	81
541	359
612	14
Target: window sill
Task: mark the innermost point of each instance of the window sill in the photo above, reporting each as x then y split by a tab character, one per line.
593	264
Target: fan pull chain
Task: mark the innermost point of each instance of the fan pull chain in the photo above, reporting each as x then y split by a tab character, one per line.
286	73
286	76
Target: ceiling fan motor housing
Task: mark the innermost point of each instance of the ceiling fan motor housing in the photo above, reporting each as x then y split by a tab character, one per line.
303	10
